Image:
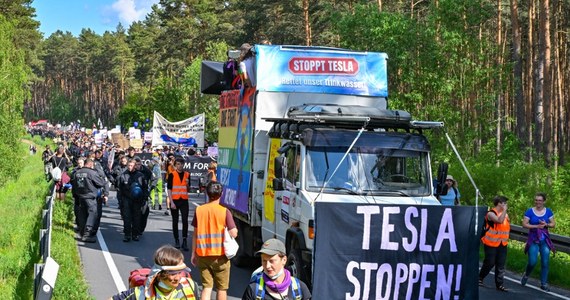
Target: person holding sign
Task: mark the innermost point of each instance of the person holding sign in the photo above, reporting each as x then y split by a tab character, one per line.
275	282
538	219
495	240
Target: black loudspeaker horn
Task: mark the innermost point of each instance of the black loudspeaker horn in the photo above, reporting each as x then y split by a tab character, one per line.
212	77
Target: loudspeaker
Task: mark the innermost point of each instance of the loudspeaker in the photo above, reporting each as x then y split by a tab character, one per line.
212	77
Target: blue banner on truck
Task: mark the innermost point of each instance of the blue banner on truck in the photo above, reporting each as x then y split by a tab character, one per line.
396	251
324	70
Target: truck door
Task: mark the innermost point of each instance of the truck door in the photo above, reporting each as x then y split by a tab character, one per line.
284	214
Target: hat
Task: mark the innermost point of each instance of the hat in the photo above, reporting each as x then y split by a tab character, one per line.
272	247
449	177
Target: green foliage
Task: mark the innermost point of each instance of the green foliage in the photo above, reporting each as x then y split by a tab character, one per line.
21	203
14	77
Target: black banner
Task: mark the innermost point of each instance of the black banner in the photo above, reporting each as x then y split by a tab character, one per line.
369	251
197	166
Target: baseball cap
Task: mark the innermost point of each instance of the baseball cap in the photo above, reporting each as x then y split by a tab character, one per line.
272	247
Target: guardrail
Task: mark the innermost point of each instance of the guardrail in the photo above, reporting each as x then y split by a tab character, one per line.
561	243
45	273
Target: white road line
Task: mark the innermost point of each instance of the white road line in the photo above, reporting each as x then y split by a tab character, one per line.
533	287
111	264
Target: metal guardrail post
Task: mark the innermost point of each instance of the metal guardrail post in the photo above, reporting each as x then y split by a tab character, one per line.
47	280
45	274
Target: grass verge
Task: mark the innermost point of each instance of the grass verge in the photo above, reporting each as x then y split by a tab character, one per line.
21	202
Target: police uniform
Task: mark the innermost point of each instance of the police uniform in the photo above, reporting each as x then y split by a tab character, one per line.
86	184
134	192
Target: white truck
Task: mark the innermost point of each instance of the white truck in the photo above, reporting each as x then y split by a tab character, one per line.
315	128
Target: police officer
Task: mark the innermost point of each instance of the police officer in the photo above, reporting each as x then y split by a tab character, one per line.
134	191
86	183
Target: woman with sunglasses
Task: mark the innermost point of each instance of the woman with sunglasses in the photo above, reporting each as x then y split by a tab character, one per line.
169	278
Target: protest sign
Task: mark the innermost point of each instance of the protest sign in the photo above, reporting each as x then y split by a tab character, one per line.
371	251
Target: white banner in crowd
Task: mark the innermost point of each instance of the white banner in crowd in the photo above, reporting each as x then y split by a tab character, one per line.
148	137
186	132
134	133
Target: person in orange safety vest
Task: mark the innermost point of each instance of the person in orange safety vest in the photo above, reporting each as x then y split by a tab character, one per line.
495	240
177	187
209	222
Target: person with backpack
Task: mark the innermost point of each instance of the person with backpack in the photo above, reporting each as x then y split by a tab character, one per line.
495	241
449	194
134	192
168	279
275	282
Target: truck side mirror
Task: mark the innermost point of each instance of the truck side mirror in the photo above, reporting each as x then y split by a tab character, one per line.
279	167
441	175
280	170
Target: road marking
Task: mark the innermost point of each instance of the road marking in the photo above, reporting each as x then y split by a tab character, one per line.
111	264
534	287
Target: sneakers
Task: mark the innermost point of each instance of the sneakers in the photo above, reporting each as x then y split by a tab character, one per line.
135	238
159	207
184	245
126	239
177	244
524	279
89	239
545	287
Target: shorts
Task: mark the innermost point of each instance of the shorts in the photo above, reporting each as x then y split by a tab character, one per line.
214	270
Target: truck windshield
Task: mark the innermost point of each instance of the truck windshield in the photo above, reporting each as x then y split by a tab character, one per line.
368	171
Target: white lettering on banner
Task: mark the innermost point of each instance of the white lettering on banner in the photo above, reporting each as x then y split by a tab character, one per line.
225	176
230	197
446	230
390	280
223	157
203	166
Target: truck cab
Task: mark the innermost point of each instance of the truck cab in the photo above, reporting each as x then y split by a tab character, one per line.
315	128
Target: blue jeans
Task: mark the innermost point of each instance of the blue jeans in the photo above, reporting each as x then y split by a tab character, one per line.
533	251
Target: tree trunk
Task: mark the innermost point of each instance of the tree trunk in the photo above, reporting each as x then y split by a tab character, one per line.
521	124
546	84
308	37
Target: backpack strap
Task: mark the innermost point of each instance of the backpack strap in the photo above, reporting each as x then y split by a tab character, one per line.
189	288
296	288
260	288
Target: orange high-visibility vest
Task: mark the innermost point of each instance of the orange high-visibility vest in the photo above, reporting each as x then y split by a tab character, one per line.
211	219
498	234
180	186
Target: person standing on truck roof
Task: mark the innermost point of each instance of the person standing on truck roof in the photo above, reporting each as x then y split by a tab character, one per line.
177	187
275	282
450	194
247	65
495	241
209	222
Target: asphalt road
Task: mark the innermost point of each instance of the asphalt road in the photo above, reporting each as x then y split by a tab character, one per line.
108	262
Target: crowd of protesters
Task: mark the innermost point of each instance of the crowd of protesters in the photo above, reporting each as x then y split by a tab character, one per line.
89	170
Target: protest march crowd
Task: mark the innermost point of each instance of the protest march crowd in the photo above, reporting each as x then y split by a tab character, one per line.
89	170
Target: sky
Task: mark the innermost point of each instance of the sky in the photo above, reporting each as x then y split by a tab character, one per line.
99	15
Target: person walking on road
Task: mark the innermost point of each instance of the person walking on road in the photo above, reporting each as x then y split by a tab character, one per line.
275	282
495	242
168	279
133	188
209	222
86	183
538	219
156	186
177	187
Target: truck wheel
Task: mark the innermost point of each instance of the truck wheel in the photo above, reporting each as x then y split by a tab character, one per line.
295	264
